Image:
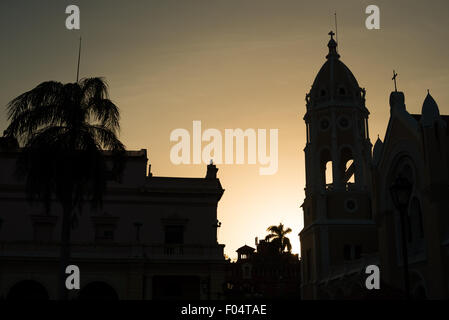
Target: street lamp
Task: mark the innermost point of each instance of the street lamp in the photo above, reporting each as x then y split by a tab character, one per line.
401	191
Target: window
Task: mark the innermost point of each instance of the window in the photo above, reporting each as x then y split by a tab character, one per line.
324	124
352	252
326	169
174	234
351	205
349	170
347	252
43	227
358	252
104	233
344	122
329	176
105	227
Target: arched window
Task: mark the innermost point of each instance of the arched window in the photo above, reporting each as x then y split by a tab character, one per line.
326	173
412	224
351	174
348	166
329	178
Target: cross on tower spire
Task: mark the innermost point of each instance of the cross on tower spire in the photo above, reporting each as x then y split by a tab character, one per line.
332	34
394	79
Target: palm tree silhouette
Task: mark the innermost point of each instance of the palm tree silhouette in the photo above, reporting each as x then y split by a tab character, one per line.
69	137
278	238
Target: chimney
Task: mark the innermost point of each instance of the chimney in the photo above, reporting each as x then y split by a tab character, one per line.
150	174
211	171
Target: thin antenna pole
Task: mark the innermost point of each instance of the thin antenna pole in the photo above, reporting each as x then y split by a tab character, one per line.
336	30
79	58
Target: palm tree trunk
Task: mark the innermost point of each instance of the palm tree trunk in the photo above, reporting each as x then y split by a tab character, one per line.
65	249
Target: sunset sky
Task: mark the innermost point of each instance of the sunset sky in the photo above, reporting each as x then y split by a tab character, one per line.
230	64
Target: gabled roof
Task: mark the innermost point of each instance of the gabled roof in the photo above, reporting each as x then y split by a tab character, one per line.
245	249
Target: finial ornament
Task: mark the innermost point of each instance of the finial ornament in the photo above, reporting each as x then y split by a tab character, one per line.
394	79
428	91
332	34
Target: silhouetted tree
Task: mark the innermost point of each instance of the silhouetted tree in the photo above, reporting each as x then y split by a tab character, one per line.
277	237
64	130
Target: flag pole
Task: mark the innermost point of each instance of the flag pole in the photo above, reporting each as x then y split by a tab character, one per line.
336	29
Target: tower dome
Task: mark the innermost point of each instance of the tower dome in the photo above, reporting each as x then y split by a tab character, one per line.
335	84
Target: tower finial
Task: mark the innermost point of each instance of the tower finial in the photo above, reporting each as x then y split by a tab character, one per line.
394	79
332	47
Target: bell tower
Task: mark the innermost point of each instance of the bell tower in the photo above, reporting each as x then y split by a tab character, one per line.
338	225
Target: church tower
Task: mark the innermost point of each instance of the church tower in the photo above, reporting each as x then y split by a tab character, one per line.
338	226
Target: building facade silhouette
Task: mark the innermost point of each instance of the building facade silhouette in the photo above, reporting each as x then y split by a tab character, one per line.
415	147
263	274
154	238
350	220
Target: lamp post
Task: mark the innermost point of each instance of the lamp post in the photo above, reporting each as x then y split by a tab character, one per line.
401	191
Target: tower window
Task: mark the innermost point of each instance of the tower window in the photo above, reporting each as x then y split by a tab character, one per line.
350	205
349	171
329	175
323	93
326	169
342	91
324	124
343	122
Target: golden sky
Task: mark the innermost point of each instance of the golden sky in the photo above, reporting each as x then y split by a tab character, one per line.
231	64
